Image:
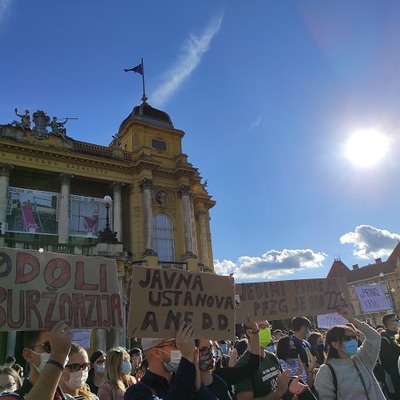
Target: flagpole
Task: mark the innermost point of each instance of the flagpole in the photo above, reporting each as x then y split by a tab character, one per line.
144	97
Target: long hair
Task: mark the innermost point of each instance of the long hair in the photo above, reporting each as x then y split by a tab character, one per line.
114	359
84	390
282	348
321	355
93	357
335	334
13	373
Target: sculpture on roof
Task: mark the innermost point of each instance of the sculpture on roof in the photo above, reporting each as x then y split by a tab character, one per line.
25	122
57	128
41	120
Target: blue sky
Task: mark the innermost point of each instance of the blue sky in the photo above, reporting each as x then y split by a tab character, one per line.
268	93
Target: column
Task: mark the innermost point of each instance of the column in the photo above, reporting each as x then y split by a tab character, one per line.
203	238
187	221
63	216
146	185
5	170
117	209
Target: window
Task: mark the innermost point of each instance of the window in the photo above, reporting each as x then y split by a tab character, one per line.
163	237
159	144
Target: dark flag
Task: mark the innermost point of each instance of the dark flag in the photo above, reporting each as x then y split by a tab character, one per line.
138	69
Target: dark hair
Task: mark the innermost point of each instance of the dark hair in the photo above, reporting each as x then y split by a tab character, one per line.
241	346
10	359
282	348
335	334
95	355
135	351
31	337
312	339
298	322
386	318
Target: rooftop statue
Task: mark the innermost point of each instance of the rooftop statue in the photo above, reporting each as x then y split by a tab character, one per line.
57	128
41	120
25	122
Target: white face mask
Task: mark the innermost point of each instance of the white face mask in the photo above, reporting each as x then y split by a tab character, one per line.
77	379
44	357
172	366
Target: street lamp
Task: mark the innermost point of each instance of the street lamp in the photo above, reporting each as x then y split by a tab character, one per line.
106	235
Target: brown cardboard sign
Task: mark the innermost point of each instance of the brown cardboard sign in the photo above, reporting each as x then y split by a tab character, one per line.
286	299
37	289
162	299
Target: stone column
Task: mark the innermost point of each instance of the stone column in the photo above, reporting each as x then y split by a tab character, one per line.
203	238
117	209
5	170
146	185
184	190
63	216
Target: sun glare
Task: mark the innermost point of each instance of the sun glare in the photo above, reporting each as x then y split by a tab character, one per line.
367	147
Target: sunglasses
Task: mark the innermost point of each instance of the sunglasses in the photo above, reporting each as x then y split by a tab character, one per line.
347	338
45	345
78	367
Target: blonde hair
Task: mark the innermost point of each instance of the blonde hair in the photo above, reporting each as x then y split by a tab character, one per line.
114	359
84	390
13	373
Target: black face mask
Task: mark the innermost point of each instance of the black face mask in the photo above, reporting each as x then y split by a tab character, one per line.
321	347
292	353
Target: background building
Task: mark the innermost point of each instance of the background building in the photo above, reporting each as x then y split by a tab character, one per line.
137	200
386	273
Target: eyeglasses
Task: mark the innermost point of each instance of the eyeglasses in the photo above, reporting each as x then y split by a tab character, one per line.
9	386
347	338
45	345
78	367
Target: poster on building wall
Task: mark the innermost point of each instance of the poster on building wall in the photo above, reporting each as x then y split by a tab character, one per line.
87	216
286	299
372	298
32	211
37	289
162	299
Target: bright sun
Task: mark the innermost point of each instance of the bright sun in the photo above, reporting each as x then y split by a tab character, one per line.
367	147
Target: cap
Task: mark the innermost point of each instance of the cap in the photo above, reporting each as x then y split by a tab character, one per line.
148	343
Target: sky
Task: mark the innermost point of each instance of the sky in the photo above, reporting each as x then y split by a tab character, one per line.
268	93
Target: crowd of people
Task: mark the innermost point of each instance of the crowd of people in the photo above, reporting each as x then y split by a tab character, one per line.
352	361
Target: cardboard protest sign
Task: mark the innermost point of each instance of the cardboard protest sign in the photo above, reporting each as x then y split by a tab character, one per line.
329	320
286	299
38	289
371	298
161	299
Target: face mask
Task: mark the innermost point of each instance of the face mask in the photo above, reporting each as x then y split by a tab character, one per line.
126	367
292	353
265	337
271	349
206	360
172	366
224	348
321	347
44	357
350	348
76	379
100	368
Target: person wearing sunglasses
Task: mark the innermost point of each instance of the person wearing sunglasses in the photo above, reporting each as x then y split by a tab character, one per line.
348	369
75	374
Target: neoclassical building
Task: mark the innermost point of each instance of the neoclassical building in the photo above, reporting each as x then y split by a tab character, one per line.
138	200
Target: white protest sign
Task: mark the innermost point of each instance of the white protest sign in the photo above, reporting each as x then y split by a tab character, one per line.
329	320
372	298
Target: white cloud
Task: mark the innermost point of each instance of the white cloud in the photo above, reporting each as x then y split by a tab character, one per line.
371	242
194	49
270	265
4	9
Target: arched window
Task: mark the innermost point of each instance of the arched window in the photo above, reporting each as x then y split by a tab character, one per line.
163	237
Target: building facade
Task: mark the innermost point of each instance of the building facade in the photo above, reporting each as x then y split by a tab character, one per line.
385	273
138	200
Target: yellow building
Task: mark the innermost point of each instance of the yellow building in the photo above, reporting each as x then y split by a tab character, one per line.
58	194
386	273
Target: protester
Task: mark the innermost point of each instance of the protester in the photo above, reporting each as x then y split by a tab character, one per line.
269	378
96	372
46	352
221	380
136	359
302	330
10	381
316	341
75	374
172	373
389	355
348	369
117	376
